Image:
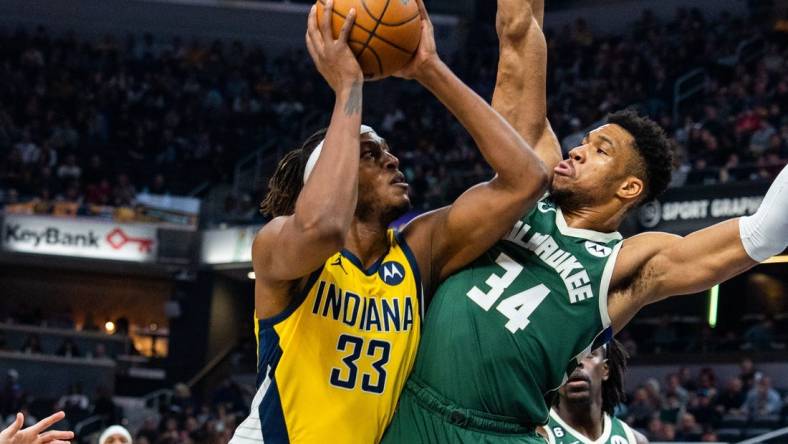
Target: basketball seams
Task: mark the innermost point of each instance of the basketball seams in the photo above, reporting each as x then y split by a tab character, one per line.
382	39
372	33
378	21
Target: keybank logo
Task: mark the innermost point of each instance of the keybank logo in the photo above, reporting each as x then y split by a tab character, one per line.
49	236
392	273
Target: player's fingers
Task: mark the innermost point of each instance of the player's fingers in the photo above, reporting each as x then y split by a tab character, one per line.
310	47
349	21
325	21
16	425
47	422
312	27
423	12
55	435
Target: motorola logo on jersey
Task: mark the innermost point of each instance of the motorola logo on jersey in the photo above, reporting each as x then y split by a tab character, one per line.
392	273
618	440
598	250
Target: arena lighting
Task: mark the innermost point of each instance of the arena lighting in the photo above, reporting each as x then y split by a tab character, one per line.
109	326
250	275
714	295
777	260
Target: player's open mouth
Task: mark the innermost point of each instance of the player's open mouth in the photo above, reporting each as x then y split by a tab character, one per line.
399	180
565	168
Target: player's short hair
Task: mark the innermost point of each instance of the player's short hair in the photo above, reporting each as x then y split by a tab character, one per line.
613	392
654	151
287	181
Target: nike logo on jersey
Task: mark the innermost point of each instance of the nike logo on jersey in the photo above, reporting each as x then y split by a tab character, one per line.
338	262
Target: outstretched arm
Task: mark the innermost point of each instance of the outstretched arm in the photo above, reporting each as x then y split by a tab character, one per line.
451	237
291	247
521	86
655	266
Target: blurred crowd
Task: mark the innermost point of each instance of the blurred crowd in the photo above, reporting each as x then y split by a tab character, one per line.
95	121
700	407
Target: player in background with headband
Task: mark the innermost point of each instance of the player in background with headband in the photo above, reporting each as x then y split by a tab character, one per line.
338	295
583	409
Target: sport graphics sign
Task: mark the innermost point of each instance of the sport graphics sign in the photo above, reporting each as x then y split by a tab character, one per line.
79	238
684	210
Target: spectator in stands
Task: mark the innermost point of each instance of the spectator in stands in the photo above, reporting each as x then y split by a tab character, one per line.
702	408
115	434
148	431
100	351
762	400
74	403
760	337
69	170
104	406
32	344
673	388
688	428
731	400
68	349
747	373
12	396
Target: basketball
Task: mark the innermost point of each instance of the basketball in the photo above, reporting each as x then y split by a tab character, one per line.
384	37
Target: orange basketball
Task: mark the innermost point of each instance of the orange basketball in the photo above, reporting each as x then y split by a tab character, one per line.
385	36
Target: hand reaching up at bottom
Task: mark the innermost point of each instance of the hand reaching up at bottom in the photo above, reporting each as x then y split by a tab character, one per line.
35	434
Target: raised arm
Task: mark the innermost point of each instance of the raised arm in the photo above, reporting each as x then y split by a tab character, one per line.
521	86
291	247
655	266
453	236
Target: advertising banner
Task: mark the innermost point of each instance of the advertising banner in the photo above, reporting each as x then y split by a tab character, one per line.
684	210
79	238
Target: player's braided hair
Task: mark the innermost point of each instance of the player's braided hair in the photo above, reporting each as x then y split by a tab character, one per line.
287	181
653	147
613	389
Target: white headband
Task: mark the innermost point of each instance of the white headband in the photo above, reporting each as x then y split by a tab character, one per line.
115	430
312	161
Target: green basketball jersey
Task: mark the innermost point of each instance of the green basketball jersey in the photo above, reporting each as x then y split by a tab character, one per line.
504	332
614	431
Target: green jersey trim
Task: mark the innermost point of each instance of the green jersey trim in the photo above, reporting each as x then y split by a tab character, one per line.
591	235
604	286
607	428
628	430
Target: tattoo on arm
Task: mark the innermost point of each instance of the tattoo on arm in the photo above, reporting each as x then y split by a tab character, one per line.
353	105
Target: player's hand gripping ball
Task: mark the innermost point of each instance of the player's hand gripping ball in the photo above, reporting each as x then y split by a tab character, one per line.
384	37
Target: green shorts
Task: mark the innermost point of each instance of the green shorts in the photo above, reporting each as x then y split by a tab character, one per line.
424	416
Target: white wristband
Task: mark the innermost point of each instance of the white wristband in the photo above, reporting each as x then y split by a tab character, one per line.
765	233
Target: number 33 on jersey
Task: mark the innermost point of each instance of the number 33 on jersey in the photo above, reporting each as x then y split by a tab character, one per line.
332	366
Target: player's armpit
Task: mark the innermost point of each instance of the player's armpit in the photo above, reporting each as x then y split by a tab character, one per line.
458	234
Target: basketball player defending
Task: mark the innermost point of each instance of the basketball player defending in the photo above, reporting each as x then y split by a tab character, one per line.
583	411
338	295
505	332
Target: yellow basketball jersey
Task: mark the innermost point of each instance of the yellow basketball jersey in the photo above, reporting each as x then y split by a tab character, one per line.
331	367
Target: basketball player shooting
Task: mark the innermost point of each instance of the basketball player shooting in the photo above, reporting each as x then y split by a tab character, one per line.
337	293
583	410
504	333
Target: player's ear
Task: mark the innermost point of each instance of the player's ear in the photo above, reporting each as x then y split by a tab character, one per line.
631	188
605	370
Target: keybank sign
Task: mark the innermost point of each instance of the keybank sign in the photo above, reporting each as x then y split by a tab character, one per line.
76	238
